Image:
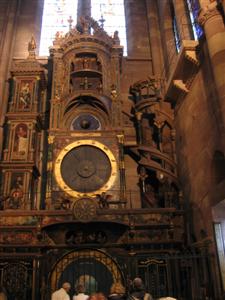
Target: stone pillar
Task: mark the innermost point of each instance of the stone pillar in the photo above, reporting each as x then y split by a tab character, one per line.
212	22
183	21
137	29
154	36
83	8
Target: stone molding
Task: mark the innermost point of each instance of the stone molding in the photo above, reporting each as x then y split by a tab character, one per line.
185	70
208	12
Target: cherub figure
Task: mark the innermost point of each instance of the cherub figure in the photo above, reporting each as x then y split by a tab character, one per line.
103	200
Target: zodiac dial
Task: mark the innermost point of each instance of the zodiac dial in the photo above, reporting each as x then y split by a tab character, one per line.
85	167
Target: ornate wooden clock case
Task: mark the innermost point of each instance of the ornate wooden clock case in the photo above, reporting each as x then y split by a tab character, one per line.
85	138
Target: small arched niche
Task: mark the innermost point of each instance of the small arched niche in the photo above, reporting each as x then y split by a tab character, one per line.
218	166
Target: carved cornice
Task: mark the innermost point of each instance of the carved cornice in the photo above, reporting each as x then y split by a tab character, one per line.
29	67
192	56
208	12
180	85
184	72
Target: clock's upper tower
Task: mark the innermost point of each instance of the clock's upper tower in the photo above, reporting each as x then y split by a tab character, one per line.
85	120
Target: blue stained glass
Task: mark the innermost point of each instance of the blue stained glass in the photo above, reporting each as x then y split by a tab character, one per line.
193	8
176	34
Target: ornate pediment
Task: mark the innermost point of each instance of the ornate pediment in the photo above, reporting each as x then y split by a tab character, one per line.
86	30
30	65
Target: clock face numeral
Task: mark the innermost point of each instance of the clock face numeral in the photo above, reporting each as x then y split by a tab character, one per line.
85	167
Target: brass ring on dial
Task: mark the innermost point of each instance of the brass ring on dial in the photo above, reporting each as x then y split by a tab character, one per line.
106	185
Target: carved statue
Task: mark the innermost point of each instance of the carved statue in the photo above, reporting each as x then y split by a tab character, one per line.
32	45
113	91
136	93
83	25
150	196
116	39
145	88
142	175
103	200
85	63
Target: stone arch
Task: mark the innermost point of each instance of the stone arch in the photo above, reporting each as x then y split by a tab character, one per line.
97	269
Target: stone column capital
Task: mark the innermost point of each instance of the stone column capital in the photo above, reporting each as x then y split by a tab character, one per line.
208	12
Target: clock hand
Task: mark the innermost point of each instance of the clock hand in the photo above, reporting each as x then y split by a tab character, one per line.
74	155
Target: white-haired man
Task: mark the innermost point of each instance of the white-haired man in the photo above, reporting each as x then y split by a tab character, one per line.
138	291
62	294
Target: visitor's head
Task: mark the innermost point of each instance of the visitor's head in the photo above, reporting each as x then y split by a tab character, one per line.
138	284
97	296
80	288
117	288
66	286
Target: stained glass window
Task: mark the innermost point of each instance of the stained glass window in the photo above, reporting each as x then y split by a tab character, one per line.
176	34
57	12
55	18
193	8
112	13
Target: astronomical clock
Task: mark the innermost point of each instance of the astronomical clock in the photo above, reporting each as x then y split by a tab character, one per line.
85	137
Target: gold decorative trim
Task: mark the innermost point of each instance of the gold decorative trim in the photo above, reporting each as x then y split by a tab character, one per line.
120	138
51	139
102	147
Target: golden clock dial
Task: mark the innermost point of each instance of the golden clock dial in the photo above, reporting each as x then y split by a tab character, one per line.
85	167
84	209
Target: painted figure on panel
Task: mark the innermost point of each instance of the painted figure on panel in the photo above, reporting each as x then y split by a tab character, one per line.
16	192
21	139
25	95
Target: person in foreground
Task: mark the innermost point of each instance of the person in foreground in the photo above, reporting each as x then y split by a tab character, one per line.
62	293
138	291
3	294
97	296
167	298
117	292
80	293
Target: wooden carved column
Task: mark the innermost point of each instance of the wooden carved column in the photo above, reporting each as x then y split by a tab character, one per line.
21	167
